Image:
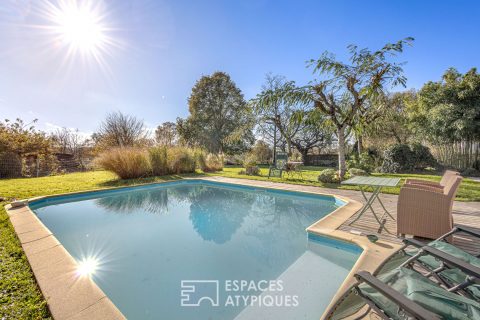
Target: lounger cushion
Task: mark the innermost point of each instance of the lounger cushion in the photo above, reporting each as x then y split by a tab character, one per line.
424	292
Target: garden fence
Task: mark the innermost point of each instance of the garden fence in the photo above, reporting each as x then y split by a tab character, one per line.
14	166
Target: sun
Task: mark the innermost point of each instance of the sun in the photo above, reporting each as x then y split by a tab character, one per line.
79	26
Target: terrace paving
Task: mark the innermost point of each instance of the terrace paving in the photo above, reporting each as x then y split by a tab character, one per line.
464	213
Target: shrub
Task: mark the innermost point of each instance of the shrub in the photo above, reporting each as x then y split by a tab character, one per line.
402	157
397	158
328	176
213	163
127	163
180	160
471	172
262	151
158	160
365	161
357	172
250	160
200	158
422	157
252	171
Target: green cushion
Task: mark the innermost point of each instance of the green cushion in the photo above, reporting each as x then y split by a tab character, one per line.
425	293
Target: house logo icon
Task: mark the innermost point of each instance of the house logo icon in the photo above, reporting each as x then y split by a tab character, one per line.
194	292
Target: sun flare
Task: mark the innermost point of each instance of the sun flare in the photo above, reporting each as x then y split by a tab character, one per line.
80	28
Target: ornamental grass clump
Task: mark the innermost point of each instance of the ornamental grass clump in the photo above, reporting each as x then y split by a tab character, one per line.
159	160
180	160
213	162
127	163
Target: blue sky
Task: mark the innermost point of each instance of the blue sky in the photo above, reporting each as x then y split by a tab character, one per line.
162	47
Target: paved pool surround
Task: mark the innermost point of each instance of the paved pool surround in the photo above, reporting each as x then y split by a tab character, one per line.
72	297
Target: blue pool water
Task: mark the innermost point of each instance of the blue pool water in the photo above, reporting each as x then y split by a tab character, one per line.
246	246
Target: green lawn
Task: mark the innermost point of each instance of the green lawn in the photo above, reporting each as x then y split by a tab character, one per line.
19	296
469	189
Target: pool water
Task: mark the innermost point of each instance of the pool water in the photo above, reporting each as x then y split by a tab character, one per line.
246	247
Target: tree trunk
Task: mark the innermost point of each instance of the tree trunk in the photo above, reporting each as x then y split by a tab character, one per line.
342	166
304	153
360	143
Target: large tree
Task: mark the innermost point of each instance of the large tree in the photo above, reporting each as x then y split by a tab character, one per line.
345	89
220	120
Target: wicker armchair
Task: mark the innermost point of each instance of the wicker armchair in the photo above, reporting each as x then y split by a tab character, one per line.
440	185
426	211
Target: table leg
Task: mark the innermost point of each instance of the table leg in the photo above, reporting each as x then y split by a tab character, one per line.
386	211
368	205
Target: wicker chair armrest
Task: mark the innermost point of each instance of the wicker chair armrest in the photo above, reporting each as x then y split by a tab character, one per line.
422	182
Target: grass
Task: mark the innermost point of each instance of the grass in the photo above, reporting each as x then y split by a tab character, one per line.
20	297
469	190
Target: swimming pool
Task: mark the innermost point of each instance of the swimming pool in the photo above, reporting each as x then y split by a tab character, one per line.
203	250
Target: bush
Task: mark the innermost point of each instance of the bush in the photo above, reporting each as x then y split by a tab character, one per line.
180	160
252	171
213	163
402	157
250	160
328	176
471	172
365	162
127	163
357	172
158	160
422	157
262	152
397	158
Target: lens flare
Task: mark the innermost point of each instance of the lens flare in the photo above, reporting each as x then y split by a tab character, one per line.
87	267
77	29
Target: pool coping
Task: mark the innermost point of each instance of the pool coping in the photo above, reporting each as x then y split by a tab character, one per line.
55	269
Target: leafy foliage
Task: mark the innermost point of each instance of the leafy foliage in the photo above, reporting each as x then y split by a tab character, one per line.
364	161
357	172
347	90
219	119
402	158
23	139
166	134
328	176
262	152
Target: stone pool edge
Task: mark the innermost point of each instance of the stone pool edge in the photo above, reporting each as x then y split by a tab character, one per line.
68	295
54	267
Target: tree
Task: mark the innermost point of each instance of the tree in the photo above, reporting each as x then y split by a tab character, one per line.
394	125
262	152
314	132
166	134
346	89
447	115
67	140
120	130
219	120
